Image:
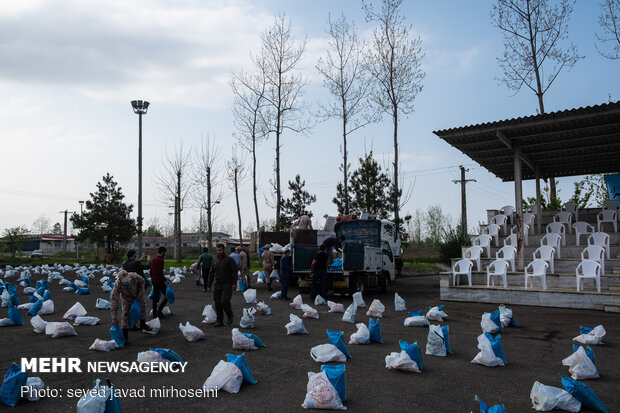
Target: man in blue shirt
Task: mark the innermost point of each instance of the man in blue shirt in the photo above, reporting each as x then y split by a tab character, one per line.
286	269
236	257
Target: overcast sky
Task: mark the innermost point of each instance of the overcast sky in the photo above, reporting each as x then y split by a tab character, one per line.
69	69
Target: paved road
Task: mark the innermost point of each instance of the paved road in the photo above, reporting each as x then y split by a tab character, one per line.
534	351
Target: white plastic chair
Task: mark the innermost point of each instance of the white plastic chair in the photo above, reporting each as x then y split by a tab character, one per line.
461	267
501	220
473	254
526	230
508	211
537	268
497	268
511	240
528	219
601	239
545	253
484	240
558	228
589	269
594	253
493	230
507	253
565	218
554	240
607	215
573	208
582	228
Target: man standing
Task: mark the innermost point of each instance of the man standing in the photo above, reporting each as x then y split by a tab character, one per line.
268	264
204	264
245	266
159	281
305	221
132	265
128	287
318	269
286	269
224	273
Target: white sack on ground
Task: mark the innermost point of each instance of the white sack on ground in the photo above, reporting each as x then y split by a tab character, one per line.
335	307
250	296
225	376
38	324
86	321
102	345
547	398
416	321
358	300
191	333
376	309
263	308
77	310
436	344
309	312
59	329
295	326
401	361
361	336
241	342
326	353
580	366
297	302
318	300
399	303
210	315
435	314
321	394
155	325
593	337
486	356
349	314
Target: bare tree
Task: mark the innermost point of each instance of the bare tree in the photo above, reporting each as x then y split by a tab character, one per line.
609	20
41	225
236	173
248	111
533	32
173	182
394	63
345	77
207	192
284	88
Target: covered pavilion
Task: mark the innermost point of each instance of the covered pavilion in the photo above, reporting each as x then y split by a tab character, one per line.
558	144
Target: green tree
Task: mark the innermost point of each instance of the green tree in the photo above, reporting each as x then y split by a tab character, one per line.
13	238
436	224
152	231
297	205
57	229
370	188
590	191
106	218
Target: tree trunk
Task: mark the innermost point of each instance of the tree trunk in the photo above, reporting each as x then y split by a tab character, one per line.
209	223
345	159
254	186
238	207
395	183
177	251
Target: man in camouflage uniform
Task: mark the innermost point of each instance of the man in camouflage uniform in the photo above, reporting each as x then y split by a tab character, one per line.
128	287
245	266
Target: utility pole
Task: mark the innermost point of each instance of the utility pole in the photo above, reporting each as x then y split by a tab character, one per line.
463	182
64	233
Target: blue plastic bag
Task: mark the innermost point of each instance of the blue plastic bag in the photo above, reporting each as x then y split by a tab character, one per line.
416	313
14	379
47	295
240	362
496	320
14	298
85	279
41	290
170	295
241	287
83	291
497	347
35	308
584	394
33	298
72	287
445	330
16	316
336	376
27	282
117	335
134	313
257	341
148	282
413	350
585	330
589	353
112	403
498	408
375	331
168	354
336	339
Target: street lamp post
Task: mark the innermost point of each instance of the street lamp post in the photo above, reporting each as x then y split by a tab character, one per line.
140	107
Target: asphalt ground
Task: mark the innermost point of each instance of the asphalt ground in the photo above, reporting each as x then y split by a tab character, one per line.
534	351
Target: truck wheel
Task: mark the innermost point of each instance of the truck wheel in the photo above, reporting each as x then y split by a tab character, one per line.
383	281
356	285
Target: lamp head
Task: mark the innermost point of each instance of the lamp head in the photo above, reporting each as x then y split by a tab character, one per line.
140	106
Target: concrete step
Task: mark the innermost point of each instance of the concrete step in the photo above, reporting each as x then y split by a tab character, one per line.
615	270
609	282
559	265
612	308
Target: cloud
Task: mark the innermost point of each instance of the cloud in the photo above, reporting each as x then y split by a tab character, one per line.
104	48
